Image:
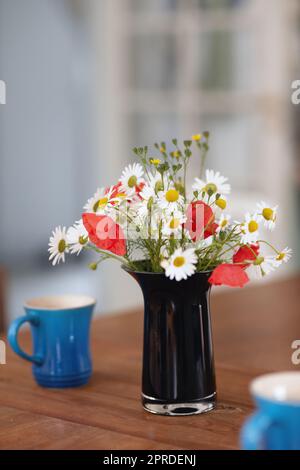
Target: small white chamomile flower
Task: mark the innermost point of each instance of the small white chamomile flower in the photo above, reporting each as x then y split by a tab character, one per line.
249	229
131	178
268	214
159	182
99	202
77	237
223	223
154	184
263	265
172	224
58	245
147	194
170	200
285	255
181	264
214	184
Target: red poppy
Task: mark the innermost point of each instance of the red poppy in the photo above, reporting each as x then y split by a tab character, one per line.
139	189
229	275
116	190
105	233
200	220
246	253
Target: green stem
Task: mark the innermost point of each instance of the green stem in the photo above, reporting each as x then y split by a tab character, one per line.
269	244
202	163
108	254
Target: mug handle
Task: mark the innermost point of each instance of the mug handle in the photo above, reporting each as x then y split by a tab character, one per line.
255	432
12	337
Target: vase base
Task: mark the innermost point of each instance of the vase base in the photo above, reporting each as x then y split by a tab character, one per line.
179	409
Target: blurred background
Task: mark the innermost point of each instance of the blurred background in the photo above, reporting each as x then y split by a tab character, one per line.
89	79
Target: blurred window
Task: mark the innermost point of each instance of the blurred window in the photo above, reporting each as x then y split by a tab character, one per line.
192	65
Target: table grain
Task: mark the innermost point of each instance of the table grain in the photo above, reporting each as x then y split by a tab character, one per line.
253	330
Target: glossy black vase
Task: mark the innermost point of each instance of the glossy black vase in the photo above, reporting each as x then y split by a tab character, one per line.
178	365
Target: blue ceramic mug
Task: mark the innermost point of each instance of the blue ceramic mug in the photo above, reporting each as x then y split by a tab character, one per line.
60	329
276	424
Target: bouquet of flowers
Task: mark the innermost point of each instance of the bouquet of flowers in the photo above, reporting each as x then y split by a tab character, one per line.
151	222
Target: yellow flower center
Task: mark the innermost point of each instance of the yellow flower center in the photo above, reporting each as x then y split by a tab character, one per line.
132	181
221	203
174	223
259	261
175	154
100	204
224	223
172	195
62	246
280	257
252	226
120	195
267	213
211	187
179	261
196	137
83	240
93	266
155	161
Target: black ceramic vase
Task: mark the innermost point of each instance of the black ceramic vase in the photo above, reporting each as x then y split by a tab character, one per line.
178	365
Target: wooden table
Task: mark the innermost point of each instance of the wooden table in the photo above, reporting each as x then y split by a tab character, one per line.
253	331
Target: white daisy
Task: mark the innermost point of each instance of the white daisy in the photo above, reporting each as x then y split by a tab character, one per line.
268	214
172	224
263	265
147	193
223	223
131	178
285	255
214	184
77	237
58	245
154	184
181	264
141	209
250	229
100	201
170	200
158	182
